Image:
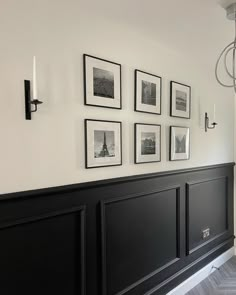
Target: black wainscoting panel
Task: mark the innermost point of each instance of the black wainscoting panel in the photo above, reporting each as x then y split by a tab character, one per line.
207	207
44	254
134	249
137	235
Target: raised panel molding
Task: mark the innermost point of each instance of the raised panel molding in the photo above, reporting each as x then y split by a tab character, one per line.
79	212
189	188
136	197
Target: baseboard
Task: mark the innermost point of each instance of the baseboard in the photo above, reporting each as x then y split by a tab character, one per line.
194	280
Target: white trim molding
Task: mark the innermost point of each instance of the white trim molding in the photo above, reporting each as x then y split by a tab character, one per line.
203	273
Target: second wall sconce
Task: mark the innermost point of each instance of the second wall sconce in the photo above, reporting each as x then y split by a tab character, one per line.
207	123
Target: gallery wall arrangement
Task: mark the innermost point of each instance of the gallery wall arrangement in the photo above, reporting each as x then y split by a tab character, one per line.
103	138
102	88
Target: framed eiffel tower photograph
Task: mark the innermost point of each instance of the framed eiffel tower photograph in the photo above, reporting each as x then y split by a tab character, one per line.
179	143
103	145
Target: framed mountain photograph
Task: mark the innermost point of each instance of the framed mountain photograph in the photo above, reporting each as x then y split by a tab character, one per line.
179	143
180	100
147	93
147	143
102	82
102	143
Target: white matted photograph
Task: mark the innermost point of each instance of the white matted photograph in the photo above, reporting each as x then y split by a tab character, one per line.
147	143
179	143
103	145
180	100
102	82
147	93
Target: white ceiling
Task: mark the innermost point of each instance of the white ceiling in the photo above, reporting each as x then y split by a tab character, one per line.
196	26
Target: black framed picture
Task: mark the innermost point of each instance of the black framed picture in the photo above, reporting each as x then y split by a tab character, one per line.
180	100
148	89
103	143
102	82
179	143
147	143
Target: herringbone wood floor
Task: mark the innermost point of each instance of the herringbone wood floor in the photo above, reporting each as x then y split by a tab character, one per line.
220	282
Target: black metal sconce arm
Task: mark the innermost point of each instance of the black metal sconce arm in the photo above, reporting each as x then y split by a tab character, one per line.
29	102
35	102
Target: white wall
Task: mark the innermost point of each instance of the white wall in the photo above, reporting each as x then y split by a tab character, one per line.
49	150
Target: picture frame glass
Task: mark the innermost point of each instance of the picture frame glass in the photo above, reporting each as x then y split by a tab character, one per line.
102	82
147	93
180	143
103	143
147	143
180	100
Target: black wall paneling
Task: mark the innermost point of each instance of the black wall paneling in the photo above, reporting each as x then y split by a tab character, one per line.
138	214
43	250
138	235
202	195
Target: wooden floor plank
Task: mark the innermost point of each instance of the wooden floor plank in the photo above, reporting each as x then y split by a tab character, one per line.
220	282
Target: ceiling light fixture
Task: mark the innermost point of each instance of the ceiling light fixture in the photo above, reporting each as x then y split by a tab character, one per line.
230	48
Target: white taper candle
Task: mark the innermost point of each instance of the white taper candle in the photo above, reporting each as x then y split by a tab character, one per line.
34	79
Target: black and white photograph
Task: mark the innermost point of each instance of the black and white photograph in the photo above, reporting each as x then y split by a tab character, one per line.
179	143
147	92
180	100
102	82
147	143
102	143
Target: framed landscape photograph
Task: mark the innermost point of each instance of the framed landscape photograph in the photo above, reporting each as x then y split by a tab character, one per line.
180	100
147	93
103	145
179	143
102	82
147	143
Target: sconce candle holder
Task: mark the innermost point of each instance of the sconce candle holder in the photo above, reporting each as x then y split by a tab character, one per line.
29	102
207	124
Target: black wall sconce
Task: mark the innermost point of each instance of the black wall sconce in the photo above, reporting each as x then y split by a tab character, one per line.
207	123
29	102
